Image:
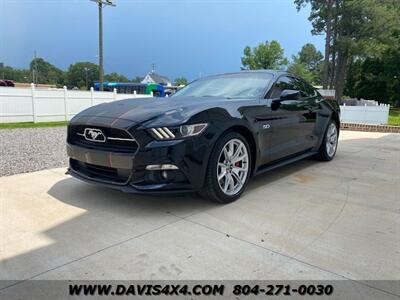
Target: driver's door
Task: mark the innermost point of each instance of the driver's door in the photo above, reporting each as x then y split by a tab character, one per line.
277	127
287	121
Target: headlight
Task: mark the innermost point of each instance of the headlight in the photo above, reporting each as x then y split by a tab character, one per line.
191	130
169	133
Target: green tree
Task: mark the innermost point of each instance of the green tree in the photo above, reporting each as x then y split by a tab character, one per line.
308	64
115	77
17	75
268	55
301	70
365	29
362	29
180	81
82	74
376	78
46	72
137	79
310	57
321	16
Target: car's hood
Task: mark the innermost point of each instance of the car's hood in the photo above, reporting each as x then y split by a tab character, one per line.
170	110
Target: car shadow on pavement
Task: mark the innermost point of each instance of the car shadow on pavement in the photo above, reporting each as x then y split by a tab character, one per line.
91	197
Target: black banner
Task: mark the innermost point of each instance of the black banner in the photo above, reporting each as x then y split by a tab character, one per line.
113	289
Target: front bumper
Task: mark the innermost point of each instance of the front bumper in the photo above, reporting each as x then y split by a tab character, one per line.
153	189
127	171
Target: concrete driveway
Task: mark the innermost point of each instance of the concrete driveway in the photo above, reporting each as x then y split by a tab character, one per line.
309	220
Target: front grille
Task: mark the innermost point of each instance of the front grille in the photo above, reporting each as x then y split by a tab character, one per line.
113	175
116	140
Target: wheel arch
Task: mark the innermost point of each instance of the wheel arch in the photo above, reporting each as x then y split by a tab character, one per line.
335	117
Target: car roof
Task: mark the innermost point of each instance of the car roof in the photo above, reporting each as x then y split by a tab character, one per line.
274	73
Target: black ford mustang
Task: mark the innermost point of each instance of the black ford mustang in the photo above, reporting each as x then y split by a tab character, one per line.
210	137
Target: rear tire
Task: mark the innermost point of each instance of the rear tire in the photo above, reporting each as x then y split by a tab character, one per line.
329	144
228	169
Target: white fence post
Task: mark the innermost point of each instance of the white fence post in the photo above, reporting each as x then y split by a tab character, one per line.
134	94
91	96
365	114
115	94
151	94
65	103
33	102
343	112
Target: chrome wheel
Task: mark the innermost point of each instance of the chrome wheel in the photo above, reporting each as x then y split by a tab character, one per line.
233	166
331	140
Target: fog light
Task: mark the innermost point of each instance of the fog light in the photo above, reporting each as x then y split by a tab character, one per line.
161	167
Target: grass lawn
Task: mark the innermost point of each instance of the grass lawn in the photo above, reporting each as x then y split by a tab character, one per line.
31	125
394	116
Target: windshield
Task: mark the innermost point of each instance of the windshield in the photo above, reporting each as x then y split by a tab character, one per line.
231	86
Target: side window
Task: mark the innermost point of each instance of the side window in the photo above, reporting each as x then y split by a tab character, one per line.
301	87
283	83
309	90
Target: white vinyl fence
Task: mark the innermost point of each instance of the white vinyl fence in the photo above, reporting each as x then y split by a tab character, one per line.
365	114
43	105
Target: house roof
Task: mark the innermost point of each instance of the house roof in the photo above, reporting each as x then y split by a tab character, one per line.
159	78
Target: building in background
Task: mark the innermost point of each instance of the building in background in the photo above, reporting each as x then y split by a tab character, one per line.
155	78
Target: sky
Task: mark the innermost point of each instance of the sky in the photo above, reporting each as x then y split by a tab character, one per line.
189	38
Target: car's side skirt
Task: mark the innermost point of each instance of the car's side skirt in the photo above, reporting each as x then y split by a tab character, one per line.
284	162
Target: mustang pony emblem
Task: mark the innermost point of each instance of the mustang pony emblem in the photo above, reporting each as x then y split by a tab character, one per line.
93	134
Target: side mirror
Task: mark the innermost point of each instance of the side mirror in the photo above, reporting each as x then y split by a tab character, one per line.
290	95
285	95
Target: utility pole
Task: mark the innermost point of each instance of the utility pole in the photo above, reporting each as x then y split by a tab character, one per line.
34	69
2	70
100	4
86	77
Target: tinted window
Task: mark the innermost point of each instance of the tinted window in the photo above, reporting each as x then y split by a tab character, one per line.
290	83
283	83
299	86
310	91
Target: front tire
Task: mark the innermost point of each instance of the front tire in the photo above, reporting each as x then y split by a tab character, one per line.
228	169
329	144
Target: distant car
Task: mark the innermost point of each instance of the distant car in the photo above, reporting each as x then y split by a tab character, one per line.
9	82
6	82
210	137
